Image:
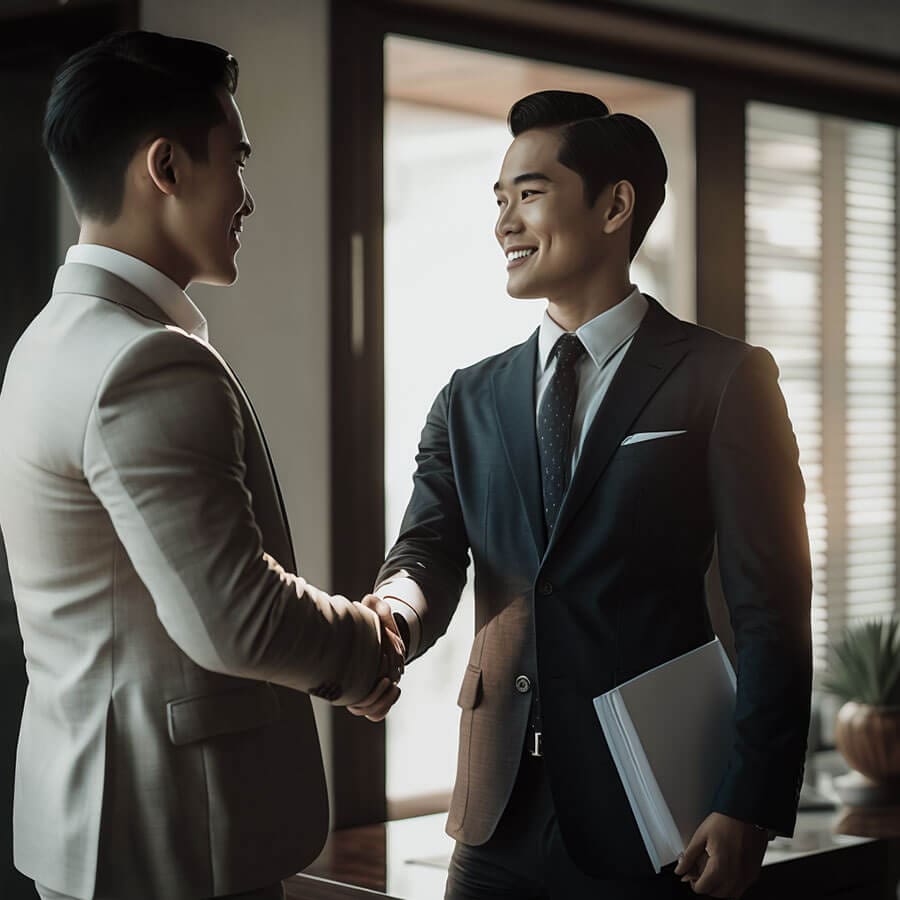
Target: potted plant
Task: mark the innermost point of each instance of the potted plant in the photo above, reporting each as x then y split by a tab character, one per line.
865	675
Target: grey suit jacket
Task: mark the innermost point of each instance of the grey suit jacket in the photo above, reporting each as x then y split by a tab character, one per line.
167	747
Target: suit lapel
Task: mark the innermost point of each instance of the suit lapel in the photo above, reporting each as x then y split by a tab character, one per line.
513	389
284	554
658	346
93	281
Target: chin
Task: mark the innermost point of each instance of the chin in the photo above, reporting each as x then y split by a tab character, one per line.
524	291
221	276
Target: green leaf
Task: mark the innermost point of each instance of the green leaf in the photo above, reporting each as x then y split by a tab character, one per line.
865	664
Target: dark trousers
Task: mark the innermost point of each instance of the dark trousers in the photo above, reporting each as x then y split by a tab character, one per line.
525	858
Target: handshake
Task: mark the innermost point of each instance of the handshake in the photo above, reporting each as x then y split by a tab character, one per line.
386	691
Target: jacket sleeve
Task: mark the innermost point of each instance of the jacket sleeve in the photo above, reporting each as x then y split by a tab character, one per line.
432	547
164	453
758	496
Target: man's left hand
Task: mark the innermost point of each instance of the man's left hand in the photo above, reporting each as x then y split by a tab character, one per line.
723	857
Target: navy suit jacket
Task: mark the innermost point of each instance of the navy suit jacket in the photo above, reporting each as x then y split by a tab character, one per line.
619	585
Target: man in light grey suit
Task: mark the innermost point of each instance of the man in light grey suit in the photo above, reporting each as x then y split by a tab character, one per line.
168	748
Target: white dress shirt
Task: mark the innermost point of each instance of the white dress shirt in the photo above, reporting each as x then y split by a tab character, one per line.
170	298
606	338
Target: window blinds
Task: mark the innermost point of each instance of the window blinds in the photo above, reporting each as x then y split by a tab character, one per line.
871	356
821	277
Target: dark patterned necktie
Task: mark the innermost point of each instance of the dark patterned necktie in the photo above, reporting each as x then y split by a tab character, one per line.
554	426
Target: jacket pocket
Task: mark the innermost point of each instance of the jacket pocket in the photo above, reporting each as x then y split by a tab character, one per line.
470	692
204	716
644	436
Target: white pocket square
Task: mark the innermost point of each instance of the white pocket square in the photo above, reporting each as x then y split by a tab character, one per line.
649	436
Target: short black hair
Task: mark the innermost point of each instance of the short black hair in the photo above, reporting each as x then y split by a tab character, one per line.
129	87
602	147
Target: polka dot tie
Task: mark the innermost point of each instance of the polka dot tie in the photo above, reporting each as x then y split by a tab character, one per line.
554	425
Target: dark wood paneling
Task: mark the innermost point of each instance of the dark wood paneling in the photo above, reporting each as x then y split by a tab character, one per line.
719	139
357	376
721	230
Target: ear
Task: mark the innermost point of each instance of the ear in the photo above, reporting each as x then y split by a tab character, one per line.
619	206
163	160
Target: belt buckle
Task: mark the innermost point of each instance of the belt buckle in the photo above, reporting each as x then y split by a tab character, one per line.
536	749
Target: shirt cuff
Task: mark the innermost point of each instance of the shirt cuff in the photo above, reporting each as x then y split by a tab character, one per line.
405	599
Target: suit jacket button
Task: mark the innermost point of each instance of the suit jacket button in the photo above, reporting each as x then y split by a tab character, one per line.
545	588
523	684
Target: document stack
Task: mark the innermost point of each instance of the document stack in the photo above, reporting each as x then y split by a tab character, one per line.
669	731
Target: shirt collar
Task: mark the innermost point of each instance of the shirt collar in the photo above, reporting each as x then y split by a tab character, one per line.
170	298
602	335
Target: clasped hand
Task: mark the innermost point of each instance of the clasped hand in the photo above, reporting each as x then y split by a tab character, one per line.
393	653
723	857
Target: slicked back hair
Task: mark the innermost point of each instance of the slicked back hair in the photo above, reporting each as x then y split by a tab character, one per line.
602	148
129	88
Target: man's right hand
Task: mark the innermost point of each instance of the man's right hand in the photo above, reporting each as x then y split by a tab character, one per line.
386	691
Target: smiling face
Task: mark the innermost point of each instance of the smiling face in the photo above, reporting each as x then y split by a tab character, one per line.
554	243
214	202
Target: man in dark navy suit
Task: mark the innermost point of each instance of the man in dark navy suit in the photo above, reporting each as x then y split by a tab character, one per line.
589	472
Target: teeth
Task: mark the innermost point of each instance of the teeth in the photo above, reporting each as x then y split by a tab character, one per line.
519	254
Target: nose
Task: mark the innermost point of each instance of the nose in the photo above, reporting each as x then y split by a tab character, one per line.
507	222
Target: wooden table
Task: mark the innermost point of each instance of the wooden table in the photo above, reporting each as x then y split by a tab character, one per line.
407	860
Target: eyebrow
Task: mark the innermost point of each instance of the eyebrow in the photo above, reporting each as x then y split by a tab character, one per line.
526	176
244	147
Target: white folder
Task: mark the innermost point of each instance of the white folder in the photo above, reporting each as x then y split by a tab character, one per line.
669	731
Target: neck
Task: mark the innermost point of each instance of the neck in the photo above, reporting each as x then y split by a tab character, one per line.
571	308
152	249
